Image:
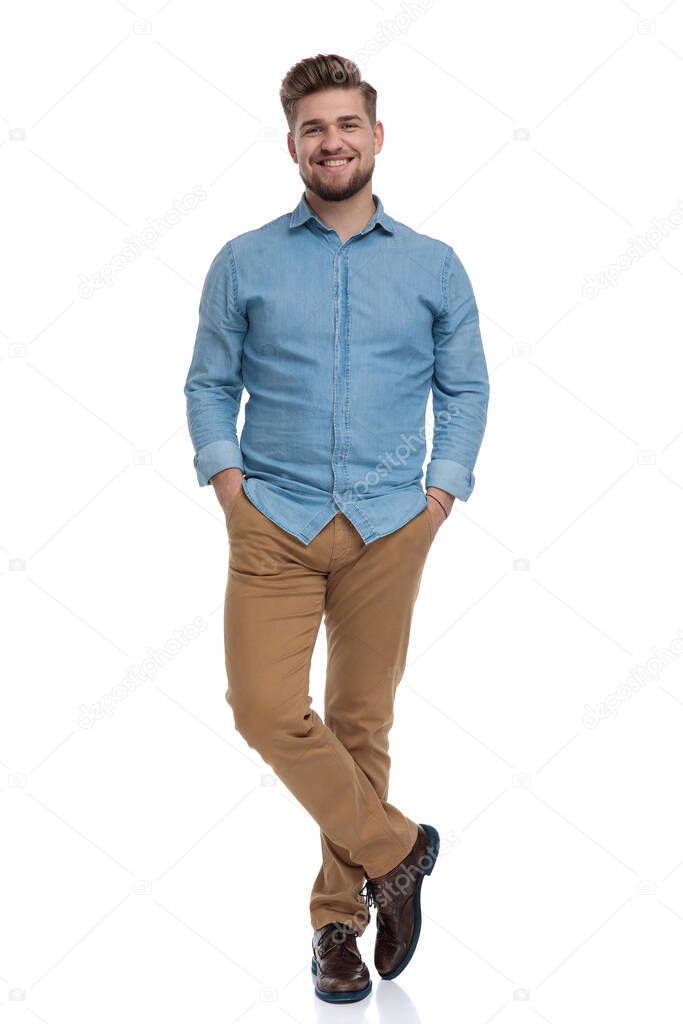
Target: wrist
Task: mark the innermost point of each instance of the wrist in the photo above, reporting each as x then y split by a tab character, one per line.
223	477
443	500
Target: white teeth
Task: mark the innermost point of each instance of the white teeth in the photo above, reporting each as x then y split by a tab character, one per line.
335	163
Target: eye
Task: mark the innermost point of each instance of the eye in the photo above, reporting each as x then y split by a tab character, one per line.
346	124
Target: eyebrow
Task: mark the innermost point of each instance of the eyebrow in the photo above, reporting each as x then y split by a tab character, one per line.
342	117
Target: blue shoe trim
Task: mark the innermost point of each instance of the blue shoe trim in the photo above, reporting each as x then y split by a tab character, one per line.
339	997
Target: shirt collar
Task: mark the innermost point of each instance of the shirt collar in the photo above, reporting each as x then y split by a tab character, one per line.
303	213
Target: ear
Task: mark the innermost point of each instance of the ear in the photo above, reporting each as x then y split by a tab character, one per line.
379	136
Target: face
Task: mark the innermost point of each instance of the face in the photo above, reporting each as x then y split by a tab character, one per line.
342	132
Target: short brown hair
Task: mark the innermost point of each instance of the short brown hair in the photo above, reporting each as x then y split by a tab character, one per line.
325	71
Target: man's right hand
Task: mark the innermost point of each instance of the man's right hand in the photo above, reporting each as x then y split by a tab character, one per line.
227	484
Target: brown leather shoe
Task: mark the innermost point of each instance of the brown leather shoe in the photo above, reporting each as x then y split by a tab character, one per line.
340	974
397	898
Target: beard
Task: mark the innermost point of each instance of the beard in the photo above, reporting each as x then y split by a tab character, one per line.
333	190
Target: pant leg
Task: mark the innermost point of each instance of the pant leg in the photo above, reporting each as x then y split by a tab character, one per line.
368	613
274	605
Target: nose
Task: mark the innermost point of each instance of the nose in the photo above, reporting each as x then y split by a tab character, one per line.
332	142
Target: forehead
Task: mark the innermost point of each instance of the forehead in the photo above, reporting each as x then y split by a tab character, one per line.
330	104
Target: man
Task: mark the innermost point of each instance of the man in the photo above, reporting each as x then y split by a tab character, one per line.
337	320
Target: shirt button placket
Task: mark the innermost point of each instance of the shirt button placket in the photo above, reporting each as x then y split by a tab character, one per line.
337	378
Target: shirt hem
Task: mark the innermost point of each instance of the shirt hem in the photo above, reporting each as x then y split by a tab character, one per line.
373	535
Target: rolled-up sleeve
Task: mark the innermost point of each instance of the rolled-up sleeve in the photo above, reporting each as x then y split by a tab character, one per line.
213	388
460	384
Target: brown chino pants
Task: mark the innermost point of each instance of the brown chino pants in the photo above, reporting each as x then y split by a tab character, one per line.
277	593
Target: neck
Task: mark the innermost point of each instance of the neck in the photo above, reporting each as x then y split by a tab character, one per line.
347	216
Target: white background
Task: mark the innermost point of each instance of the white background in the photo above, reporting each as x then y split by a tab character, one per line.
152	866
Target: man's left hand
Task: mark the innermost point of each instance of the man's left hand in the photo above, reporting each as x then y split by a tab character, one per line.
435	511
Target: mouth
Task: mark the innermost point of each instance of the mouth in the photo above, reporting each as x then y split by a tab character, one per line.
335	165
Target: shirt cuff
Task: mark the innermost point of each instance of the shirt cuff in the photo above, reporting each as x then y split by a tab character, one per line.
214	457
450	476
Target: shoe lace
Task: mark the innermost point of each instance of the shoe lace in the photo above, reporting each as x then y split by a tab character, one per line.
339	938
369	893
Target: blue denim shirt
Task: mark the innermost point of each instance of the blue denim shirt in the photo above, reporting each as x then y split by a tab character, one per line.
338	345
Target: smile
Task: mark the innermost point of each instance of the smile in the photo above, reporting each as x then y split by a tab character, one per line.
335	164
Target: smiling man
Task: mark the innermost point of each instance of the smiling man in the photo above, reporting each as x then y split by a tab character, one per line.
336	167
339	322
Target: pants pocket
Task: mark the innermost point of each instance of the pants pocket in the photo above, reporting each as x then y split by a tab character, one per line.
238	497
430	526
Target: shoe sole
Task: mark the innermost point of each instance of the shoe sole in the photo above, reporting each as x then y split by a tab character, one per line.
433	849
339	997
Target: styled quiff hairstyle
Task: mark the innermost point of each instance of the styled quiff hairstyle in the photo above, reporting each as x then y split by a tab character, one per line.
326	71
